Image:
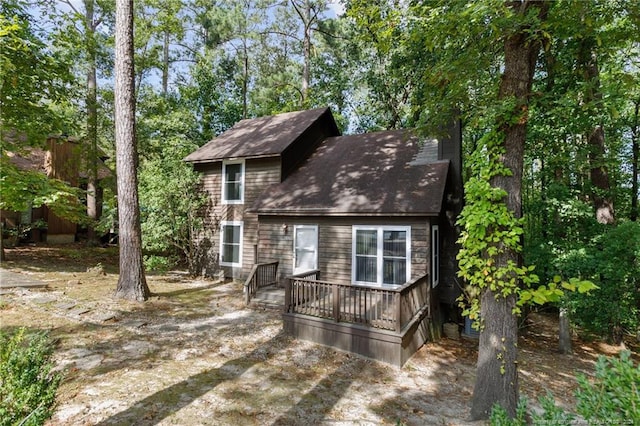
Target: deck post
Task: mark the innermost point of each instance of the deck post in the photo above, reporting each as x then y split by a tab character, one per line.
276	281
287	294
336	302
398	308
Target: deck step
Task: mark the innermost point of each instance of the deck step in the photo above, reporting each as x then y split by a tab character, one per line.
269	297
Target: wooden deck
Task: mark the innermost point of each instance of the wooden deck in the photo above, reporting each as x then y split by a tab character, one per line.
388	324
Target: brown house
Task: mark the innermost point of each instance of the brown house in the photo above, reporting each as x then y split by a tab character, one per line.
357	229
62	159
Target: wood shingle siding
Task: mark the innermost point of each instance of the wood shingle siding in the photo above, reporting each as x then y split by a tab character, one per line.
259	175
275	242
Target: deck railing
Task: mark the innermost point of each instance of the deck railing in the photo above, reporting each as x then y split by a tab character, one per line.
261	275
384	308
313	274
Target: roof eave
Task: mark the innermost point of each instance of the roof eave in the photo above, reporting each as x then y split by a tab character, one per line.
335	213
216	160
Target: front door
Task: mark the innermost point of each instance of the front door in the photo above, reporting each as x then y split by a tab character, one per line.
305	248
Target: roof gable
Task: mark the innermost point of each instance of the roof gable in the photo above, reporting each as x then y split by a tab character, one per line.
382	173
261	137
61	156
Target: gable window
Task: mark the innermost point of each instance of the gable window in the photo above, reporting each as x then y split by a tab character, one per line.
231	243
381	255
305	248
435	255
233	182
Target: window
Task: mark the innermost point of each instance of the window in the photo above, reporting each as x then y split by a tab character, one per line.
233	182
305	248
435	255
381	255
231	243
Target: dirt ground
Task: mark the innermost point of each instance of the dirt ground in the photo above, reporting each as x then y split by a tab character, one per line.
195	355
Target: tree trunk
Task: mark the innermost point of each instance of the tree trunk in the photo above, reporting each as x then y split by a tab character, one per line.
601	192
93	210
306	67
304	12
602	201
497	372
635	150
165	63
132	284
245	80
3	256
565	332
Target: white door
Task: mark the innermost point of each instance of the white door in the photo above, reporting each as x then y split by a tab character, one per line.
305	248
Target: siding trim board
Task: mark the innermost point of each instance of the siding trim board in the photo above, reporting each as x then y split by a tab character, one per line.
310	212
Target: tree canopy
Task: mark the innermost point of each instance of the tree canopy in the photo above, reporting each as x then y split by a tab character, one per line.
33	95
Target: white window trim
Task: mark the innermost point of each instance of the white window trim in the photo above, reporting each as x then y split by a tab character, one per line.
231	223
224	182
295	233
435	255
380	254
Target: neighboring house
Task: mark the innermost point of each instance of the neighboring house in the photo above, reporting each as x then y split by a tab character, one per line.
361	226
61	160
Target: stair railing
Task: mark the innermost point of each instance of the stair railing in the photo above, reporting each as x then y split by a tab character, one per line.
261	275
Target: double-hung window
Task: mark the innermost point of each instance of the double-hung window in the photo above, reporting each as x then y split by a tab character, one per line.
231	243
381	255
233	182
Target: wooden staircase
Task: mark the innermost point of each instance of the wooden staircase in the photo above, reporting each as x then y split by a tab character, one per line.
261	287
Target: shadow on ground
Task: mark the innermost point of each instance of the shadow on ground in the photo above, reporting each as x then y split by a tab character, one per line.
168	401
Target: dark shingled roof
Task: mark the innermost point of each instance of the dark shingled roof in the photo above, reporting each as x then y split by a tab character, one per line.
383	173
35	159
258	137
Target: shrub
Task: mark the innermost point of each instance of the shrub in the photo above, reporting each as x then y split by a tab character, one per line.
159	264
614	395
612	398
173	210
27	383
499	416
552	415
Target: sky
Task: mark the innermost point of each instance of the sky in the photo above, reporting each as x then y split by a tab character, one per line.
336	7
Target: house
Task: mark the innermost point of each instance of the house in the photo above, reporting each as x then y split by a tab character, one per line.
62	159
359	229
